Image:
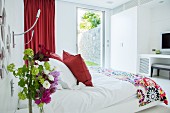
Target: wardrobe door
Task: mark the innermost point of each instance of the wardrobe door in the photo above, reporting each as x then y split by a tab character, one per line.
124	40
116	41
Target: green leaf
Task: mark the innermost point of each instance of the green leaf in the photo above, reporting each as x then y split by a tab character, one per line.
11	67
29	52
21	96
47	65
33	94
34	71
39	77
41	80
25	57
41	105
40	68
14	73
21	83
25	90
19	73
25	69
36	84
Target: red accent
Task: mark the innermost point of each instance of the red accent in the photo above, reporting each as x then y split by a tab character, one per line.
78	67
44	31
66	54
163	95
43	54
149	82
44	51
157	87
46	54
166	102
55	56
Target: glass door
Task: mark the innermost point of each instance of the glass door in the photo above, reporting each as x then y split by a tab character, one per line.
90	36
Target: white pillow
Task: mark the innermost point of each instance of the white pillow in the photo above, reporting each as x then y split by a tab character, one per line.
66	78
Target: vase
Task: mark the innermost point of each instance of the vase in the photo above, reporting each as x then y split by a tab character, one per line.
41	110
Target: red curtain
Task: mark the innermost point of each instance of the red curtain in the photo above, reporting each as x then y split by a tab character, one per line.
44	31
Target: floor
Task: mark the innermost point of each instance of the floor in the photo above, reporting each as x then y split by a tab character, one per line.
165	84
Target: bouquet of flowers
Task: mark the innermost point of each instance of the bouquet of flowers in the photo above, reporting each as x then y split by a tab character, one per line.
38	82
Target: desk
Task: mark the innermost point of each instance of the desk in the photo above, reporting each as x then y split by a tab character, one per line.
155	56
146	61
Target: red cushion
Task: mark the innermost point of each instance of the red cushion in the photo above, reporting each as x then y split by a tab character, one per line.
55	56
78	67
66	55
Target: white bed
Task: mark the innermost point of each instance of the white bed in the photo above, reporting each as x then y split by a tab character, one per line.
109	95
127	106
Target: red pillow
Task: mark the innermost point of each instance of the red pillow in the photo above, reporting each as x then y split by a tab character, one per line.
55	56
78	67
66	54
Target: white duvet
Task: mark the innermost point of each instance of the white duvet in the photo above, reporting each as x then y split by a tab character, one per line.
106	92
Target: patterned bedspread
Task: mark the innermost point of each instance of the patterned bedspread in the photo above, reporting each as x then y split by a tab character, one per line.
147	90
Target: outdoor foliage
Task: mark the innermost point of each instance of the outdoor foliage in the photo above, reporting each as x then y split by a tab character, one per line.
88	63
90	20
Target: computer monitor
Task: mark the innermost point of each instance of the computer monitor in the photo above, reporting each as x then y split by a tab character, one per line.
166	41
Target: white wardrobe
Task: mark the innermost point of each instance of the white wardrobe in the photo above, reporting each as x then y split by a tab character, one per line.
124	40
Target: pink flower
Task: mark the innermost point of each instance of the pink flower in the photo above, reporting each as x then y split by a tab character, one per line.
53	88
44	93
46	97
37	101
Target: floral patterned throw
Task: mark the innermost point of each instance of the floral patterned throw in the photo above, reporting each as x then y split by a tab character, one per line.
147	90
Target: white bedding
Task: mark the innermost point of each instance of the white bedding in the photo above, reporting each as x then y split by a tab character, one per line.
106	92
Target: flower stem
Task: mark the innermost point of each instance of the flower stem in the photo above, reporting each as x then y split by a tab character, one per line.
41	110
30	105
29	91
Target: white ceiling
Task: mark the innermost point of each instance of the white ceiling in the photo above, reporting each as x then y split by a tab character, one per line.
99	3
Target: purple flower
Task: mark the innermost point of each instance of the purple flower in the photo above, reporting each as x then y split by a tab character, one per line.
55	73
37	101
46	97
43	95
53	87
52	90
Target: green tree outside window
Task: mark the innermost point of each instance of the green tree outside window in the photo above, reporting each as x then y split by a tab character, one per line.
90	20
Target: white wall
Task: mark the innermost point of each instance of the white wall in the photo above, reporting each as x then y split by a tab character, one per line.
144	29
160	22
15	15
66	17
